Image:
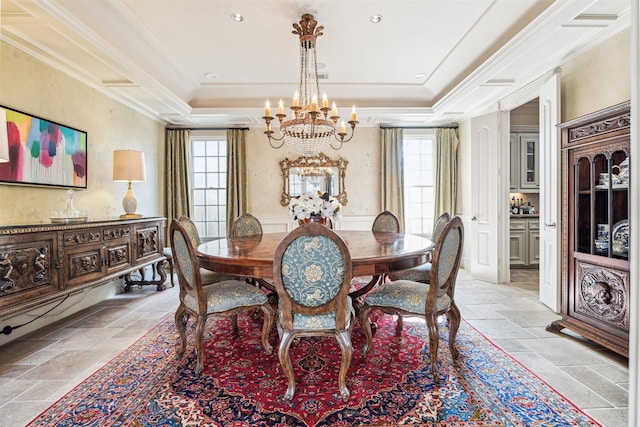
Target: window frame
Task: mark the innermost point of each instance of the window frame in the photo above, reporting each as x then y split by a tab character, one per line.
427	218
201	219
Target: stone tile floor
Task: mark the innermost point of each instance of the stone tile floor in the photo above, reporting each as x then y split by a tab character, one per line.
39	368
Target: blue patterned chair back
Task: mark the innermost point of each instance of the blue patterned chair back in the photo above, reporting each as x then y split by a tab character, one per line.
186	264
386	222
439	226
246	225
191	229
312	274
446	260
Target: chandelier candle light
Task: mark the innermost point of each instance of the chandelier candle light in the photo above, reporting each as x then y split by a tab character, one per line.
311	129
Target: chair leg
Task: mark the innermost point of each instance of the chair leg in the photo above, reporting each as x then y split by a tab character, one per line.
181	318
399	324
285	362
266	327
366	327
454	323
170	261
344	340
234	324
434	338
200	324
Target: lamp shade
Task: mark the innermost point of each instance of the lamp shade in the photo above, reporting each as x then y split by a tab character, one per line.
128	165
4	138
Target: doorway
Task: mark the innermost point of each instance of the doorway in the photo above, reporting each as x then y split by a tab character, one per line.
524	193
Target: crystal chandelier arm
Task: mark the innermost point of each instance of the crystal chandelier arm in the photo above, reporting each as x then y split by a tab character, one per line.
339	136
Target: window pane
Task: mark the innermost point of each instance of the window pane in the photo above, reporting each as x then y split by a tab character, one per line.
198	197
198	148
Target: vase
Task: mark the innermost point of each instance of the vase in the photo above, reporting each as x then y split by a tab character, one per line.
318	219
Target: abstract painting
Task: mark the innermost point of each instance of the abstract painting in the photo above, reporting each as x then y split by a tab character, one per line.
42	152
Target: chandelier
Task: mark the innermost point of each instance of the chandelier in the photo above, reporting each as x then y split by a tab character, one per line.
312	127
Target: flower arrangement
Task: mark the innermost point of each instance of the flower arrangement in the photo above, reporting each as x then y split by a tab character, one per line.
316	204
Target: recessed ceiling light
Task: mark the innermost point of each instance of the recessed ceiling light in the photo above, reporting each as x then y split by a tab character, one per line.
237	17
375	18
210	76
419	76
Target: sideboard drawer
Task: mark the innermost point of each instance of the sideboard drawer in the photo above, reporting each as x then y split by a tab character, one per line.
81	237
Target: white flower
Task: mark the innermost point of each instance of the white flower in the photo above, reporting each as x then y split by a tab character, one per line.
314	204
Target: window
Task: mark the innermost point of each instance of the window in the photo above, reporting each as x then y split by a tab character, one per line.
418	182
209	155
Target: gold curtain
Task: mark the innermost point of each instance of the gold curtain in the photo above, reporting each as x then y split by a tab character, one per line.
392	176
237	199
177	174
444	170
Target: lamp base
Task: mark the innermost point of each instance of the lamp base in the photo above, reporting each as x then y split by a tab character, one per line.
130	216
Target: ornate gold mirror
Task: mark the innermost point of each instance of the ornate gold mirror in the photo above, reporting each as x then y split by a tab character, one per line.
316	173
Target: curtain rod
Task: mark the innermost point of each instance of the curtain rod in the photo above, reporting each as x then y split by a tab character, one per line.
420	127
227	128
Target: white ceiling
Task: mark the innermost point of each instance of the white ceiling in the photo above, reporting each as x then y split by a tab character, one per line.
154	55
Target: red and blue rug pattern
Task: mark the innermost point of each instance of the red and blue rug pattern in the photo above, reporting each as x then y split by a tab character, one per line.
243	386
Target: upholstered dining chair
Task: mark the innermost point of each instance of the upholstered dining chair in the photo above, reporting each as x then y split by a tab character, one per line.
408	298
226	298
246	225
312	274
386	221
421	273
206	276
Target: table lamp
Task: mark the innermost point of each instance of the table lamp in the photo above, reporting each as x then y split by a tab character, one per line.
4	137
128	166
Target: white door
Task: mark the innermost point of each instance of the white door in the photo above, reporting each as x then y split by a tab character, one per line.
550	233
487	234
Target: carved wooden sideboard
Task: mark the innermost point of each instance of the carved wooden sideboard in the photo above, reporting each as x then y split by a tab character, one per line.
40	263
596	282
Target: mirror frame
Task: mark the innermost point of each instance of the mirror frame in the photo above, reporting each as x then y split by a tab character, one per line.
321	160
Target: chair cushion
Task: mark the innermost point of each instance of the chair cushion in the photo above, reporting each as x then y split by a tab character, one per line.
167	253
320	321
405	295
227	295
416	274
208	277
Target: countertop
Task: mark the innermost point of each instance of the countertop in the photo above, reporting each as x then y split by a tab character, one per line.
512	216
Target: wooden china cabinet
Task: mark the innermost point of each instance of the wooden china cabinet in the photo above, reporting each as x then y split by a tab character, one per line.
595	227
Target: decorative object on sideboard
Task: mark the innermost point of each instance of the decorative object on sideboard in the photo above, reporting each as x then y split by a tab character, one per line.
70	214
4	137
313	126
128	166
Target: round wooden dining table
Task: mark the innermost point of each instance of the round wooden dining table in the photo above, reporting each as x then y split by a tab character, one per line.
372	254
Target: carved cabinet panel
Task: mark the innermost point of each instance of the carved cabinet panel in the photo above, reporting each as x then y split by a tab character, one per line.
39	263
28	267
596	279
149	241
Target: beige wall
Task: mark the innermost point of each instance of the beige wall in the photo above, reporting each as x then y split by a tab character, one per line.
362	181
28	85
597	79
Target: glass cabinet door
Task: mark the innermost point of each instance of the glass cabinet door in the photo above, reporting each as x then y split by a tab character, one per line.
601	187
529	161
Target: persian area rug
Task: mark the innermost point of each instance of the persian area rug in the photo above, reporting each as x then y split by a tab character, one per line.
243	386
